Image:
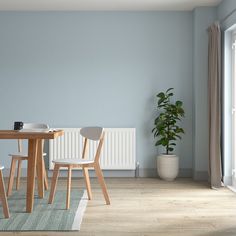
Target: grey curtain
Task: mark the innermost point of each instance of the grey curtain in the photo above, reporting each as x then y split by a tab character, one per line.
214	92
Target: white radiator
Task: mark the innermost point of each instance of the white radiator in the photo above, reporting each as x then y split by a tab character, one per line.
118	152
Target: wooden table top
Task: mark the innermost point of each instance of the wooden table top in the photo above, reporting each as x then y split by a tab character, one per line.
15	134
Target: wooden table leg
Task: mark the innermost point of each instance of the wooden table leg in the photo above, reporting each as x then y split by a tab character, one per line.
31	169
40	169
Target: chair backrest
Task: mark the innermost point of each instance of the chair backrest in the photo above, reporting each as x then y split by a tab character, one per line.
31	126
35	126
93	133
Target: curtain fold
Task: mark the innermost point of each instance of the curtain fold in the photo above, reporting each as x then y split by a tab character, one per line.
214	92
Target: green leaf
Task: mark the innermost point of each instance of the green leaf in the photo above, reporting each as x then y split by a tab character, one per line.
169	89
156	133
179	103
178	136
161	100
181	111
181	130
161	95
158	143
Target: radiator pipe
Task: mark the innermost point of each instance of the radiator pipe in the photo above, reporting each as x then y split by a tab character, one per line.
137	170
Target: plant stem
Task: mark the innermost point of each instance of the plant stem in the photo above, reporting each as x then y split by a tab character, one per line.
168	130
167	147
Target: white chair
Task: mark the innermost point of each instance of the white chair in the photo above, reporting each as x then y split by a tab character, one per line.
21	156
3	195
89	133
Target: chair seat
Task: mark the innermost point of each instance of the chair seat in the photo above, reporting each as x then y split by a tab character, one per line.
18	154
21	154
73	161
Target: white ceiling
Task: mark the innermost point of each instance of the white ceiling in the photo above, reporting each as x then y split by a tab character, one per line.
104	5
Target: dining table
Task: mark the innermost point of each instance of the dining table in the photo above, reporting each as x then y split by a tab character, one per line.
35	159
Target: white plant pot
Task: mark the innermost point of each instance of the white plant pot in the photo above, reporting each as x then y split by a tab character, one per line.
168	167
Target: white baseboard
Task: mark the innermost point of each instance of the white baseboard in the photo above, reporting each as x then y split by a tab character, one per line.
232	188
143	173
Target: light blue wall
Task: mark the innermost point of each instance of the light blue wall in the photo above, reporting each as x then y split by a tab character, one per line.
224	9
203	17
95	68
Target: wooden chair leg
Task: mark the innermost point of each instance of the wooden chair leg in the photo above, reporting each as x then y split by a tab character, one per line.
87	182
45	180
11	177
18	175
45	176
3	197
68	188
54	183
102	182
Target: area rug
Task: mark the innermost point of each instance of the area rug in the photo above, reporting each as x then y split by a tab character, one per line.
45	217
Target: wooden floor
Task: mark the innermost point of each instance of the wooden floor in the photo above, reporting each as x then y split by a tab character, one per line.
151	207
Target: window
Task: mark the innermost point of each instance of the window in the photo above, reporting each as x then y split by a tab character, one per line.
229	107
233	77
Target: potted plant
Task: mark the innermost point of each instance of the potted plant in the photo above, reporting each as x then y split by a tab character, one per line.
167	131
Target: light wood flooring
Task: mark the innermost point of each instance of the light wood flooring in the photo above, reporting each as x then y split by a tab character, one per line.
152	207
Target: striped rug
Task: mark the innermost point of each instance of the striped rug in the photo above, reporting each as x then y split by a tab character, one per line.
45	217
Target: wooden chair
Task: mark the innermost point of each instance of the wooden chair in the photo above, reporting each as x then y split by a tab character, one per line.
20	156
89	133
3	195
